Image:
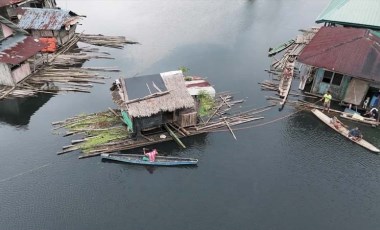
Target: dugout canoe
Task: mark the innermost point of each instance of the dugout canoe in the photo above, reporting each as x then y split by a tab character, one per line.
364	120
280	48
160	160
343	131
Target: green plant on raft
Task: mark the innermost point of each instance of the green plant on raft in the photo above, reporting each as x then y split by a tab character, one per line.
188	78
206	103
103	138
98	121
184	69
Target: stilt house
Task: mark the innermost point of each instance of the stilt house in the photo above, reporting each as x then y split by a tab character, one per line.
345	61
16	47
49	23
153	100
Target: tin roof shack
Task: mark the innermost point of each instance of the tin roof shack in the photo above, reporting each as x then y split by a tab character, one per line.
153	100
15	48
8	7
352	13
344	60
48	23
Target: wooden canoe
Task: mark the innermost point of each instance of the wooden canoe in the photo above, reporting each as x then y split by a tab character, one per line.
286	81
344	131
160	160
365	120
280	47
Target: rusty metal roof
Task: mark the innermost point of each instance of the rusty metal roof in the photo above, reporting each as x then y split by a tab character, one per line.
350	51
18	48
44	19
9	2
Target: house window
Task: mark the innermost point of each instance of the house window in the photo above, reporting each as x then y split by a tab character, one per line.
327	76
337	79
332	78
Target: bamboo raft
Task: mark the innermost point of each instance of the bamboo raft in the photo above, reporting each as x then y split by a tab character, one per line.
115	135
117	42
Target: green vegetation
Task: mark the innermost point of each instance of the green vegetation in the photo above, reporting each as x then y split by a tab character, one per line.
206	103
100	128
184	69
102	137
93	121
188	78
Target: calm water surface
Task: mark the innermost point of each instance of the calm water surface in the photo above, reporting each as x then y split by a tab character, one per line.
293	174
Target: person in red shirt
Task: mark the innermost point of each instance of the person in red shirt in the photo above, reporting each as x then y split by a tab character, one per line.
152	154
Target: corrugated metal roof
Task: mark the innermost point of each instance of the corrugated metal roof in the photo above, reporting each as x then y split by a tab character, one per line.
9	2
17	49
44	19
360	13
350	51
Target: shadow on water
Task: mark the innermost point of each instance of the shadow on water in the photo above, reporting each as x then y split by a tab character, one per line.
18	111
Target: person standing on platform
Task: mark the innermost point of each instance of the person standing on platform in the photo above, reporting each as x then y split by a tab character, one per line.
326	101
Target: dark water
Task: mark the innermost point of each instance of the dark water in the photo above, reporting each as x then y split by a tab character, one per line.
293	174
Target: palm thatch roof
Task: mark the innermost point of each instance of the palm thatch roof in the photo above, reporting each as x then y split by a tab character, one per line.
170	96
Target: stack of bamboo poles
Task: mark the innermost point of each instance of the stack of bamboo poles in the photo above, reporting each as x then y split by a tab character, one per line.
107	41
54	73
223	117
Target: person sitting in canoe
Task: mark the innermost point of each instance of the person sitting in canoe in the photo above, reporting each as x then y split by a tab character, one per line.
336	123
151	155
355	134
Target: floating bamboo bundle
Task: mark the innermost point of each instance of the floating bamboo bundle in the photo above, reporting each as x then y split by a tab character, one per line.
108	41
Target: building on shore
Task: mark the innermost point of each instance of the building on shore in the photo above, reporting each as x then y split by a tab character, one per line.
345	61
49	23
16	47
150	101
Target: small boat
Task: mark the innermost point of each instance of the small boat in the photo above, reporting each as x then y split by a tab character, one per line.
361	119
280	48
140	159
344	131
286	81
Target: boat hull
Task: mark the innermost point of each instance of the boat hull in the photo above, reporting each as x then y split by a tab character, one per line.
160	160
343	131
281	47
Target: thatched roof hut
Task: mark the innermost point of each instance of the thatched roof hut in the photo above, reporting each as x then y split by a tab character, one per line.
148	95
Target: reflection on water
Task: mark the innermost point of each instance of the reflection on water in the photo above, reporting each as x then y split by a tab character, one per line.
18	111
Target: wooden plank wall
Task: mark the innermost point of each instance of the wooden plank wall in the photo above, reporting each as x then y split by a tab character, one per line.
21	72
5	75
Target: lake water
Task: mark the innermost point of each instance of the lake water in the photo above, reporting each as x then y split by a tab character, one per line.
292	174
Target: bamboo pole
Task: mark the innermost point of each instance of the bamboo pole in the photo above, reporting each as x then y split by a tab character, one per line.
232	132
172	134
